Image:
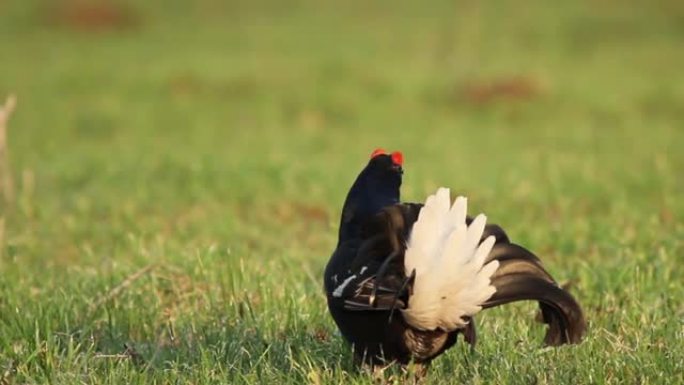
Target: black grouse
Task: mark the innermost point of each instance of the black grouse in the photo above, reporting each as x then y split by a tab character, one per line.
406	278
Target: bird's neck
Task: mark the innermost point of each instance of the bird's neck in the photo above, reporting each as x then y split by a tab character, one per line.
365	199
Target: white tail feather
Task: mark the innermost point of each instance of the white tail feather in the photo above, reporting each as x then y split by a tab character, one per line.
451	282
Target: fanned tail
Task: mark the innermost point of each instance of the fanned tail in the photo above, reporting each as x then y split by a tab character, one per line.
521	276
452	280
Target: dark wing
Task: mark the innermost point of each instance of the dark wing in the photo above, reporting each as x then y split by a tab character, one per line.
377	281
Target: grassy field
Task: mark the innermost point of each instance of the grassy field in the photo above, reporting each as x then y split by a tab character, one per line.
180	170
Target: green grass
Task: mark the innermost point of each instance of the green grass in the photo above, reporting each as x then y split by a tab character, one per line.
216	142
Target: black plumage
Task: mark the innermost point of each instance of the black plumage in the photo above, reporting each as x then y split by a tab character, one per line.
366	284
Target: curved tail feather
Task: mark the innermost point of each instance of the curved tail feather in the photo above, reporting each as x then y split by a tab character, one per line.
520	276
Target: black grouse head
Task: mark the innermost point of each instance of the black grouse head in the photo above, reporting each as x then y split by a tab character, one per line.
384	170
377	186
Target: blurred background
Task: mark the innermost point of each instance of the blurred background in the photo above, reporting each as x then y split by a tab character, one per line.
223	135
145	115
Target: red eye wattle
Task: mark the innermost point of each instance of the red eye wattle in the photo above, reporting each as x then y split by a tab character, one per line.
398	158
378	151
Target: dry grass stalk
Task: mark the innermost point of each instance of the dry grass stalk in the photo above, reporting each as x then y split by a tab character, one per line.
6	182
121	287
129	354
2	236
